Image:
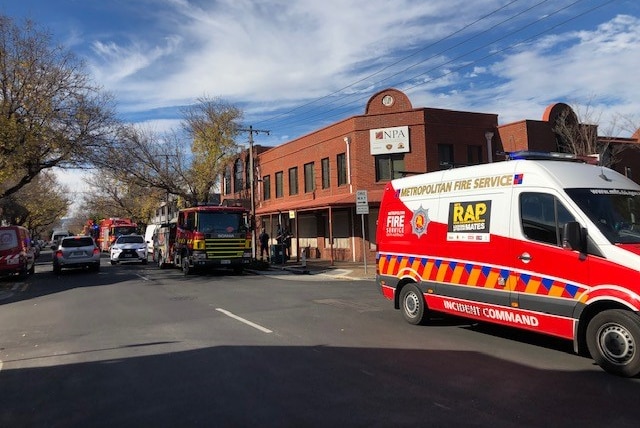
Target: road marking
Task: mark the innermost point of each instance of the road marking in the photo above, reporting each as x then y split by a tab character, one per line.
249	323
143	277
0	365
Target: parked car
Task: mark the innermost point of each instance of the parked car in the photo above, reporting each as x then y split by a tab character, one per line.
76	252
129	248
17	253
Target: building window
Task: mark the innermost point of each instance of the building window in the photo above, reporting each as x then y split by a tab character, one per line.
227	180
445	156
341	161
326	182
266	187
474	155
309	178
389	166
239	175
279	184
293	180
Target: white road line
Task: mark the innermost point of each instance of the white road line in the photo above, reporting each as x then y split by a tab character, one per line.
0	365
143	277
252	324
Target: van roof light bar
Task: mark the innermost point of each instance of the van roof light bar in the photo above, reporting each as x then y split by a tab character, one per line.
533	155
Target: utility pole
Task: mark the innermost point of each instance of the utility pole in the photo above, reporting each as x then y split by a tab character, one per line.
252	131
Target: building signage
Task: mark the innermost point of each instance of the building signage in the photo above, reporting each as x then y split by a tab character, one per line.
389	140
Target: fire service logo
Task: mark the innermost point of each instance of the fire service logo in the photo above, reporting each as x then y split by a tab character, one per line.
420	221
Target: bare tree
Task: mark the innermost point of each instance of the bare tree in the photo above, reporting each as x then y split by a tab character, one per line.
50	114
114	198
187	170
578	132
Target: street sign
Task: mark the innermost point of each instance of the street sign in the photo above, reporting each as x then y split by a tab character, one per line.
362	202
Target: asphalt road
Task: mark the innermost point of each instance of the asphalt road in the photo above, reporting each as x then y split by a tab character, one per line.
138	346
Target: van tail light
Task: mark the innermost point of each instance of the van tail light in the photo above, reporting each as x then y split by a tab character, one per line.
96	250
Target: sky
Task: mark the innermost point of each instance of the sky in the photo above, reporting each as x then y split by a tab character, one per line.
295	66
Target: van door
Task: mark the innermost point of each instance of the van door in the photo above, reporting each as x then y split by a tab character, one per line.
546	277
474	249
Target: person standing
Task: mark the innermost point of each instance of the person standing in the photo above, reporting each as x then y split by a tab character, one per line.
264	244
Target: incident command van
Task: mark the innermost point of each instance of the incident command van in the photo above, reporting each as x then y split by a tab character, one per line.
546	245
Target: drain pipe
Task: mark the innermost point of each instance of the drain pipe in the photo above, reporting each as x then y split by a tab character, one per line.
347	140
489	135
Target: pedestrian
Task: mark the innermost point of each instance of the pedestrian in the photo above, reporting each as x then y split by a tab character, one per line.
286	240
264	244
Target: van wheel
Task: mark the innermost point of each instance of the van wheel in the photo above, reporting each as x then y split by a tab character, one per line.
412	305
613	338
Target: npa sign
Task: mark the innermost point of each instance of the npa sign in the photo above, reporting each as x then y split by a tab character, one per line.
389	140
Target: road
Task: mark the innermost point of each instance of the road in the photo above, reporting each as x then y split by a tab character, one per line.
138	346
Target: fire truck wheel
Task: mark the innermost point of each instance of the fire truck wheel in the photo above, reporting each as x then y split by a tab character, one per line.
185	266
613	339
412	305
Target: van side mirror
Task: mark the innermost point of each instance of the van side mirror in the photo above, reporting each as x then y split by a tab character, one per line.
573	236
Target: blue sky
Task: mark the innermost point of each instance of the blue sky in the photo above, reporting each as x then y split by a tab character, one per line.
294	66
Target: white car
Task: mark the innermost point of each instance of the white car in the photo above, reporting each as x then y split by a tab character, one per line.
129	248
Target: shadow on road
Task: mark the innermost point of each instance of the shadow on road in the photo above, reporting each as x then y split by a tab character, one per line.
311	387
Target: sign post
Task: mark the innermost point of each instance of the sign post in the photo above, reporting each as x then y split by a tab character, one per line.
362	208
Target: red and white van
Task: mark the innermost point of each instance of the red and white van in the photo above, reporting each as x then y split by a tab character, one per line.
537	243
17	255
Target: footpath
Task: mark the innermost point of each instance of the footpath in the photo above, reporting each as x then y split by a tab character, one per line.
337	269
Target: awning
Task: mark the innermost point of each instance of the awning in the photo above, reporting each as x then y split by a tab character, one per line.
334	201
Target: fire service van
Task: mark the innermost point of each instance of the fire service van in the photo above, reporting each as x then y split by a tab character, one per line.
536	242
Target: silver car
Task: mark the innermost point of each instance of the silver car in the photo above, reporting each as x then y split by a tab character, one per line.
76	252
129	248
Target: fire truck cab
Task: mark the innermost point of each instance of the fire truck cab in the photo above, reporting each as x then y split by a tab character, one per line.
111	228
210	237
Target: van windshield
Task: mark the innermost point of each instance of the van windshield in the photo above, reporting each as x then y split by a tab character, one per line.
616	212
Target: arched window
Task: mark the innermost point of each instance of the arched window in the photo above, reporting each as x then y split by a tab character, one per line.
227	180
238	175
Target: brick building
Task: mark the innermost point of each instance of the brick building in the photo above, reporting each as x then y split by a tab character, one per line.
310	184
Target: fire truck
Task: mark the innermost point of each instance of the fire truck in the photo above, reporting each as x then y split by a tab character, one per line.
212	237
111	228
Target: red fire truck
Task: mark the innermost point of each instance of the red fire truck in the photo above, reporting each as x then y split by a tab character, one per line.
111	228
212	237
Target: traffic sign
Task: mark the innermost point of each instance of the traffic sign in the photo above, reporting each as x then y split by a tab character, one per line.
362	202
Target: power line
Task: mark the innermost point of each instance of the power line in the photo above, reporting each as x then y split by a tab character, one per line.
343	102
